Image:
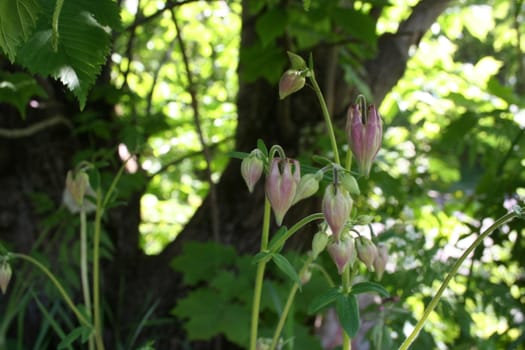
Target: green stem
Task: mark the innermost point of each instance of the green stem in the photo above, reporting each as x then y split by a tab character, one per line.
326	115
96	271
297	226
259	276
288	305
57	284
346	281
430	307
84	269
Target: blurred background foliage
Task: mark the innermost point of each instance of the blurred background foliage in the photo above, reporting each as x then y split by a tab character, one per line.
453	158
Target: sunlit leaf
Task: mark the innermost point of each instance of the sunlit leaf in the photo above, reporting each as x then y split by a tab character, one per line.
82	47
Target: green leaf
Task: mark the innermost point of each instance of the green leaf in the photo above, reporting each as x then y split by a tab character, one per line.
266	255
284	265
79	332
277	241
355	23
262	147
324	299
17	22
199	259
366	287
271	25
348	312
17	89
82	47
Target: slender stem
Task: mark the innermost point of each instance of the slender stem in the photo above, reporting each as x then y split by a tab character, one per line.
96	269
348	163
288	305
57	284
326	115
346	281
430	307
261	265
84	269
298	225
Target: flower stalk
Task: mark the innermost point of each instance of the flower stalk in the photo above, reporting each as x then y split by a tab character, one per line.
430	307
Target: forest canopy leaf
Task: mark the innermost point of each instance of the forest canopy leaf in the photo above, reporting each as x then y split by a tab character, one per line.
16	27
82	47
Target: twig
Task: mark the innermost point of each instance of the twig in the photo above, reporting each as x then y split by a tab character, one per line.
35	128
196	117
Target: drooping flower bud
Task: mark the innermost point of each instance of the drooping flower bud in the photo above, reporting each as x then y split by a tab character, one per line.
305	276
319	243
281	185
350	184
75	192
337	205
291	81
366	251
364	135
381	260
5	275
342	253
252	168
307	187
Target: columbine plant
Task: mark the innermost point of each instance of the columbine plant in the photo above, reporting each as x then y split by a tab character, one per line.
285	186
79	198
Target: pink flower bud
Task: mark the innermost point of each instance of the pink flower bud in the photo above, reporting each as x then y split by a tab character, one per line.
251	169
5	275
366	251
291	81
281	185
342	253
381	260
364	136
336	205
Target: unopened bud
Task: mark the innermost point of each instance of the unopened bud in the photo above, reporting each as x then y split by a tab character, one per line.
291	81
342	253
319	243
281	185
381	260
251	169
366	251
337	205
75	192
307	187
350	184
364	135
5	275
305	276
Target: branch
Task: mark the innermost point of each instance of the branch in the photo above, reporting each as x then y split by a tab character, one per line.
33	129
385	70
196	117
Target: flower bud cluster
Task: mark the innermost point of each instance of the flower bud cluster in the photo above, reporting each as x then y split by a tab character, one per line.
284	185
